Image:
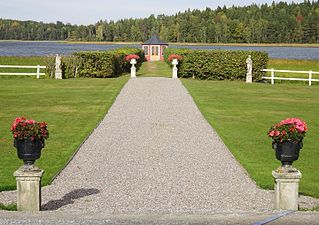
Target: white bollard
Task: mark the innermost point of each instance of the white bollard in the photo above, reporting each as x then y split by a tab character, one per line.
133	69
175	70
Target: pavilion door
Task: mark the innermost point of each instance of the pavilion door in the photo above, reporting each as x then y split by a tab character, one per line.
155	52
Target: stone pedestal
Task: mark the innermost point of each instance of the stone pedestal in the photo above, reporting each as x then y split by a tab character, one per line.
175	63
286	189
175	72
133	71
58	71
249	75
249	78
28	189
58	74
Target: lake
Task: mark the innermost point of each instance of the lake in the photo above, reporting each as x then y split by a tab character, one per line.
19	48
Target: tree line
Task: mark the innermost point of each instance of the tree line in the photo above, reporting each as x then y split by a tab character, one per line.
274	23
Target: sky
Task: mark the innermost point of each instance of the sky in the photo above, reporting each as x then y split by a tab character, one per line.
90	11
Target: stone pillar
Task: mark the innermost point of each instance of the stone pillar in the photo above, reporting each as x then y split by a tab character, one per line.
249	78
58	71
249	75
28	189
175	63
286	189
133	69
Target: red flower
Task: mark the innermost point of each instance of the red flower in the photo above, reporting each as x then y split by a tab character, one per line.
22	128
30	121
131	56
174	56
290	129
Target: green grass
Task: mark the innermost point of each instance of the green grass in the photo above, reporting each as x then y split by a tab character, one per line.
289	64
316	208
242	115
155	69
72	108
11	207
21	61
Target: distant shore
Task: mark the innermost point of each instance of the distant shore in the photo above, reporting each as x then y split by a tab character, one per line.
179	43
203	44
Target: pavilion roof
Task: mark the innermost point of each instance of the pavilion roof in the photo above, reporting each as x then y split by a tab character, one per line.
154	40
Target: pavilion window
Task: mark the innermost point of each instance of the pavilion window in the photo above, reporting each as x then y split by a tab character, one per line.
146	50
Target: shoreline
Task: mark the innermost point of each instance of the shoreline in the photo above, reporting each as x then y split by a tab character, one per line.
176	43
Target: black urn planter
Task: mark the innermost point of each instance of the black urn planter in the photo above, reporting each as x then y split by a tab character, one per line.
287	152
29	150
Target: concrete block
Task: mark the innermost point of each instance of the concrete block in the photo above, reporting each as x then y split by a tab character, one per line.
287	190
28	189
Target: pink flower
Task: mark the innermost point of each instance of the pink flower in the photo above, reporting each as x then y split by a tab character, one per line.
30	121
131	56
271	133
290	129
174	56
14	126
23	128
277	133
300	128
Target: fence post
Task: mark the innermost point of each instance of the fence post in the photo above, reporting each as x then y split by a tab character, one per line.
272	76
310	77
38	71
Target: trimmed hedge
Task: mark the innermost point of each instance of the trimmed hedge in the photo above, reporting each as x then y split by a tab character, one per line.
218	64
97	64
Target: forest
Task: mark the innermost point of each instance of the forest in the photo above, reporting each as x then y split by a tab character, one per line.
266	23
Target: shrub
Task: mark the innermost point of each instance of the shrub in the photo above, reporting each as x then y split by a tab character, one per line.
70	66
122	66
218	64
50	65
96	64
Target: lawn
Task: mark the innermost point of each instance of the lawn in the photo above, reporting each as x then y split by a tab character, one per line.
72	108
242	114
154	69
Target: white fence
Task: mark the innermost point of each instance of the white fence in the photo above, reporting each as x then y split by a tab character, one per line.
273	78
38	67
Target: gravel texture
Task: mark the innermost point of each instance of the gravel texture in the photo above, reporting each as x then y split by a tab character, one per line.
53	218
153	153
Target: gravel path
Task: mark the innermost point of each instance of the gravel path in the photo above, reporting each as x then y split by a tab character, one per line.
154	153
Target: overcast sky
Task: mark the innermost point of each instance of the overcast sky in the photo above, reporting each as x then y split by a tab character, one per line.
91	11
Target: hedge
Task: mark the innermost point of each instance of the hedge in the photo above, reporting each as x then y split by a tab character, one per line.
218	64
96	64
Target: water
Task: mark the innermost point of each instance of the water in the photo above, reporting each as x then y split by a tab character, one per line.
273	52
18	48
48	48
